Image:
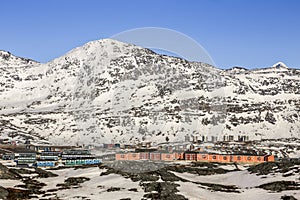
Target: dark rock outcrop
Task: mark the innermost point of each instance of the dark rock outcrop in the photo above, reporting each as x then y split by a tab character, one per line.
6	173
279	186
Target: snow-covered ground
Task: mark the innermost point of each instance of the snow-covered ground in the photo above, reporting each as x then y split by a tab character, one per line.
95	188
10	183
102	183
242	179
194	192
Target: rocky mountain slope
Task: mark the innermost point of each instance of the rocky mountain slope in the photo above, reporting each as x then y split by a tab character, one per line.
110	91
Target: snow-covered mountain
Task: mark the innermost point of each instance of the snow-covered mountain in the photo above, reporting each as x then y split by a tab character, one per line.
9	60
110	91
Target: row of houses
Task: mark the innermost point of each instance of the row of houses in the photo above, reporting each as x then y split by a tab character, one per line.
79	157
206	138
227	158
69	157
194	156
156	156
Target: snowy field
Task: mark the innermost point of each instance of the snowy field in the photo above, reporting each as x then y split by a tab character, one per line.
242	179
107	183
95	188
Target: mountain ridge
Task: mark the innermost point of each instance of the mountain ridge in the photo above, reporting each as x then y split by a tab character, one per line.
7	59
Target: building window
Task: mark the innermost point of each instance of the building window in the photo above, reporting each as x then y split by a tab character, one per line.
122	156
258	158
133	155
239	158
204	157
214	157
168	156
224	158
248	158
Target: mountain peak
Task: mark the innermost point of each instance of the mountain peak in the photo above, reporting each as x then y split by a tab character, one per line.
9	60
105	43
104	49
98	47
4	55
280	65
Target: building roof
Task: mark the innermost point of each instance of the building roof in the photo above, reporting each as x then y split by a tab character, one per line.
161	151
53	146
144	150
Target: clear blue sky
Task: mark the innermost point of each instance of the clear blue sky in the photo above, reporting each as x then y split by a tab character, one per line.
247	33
